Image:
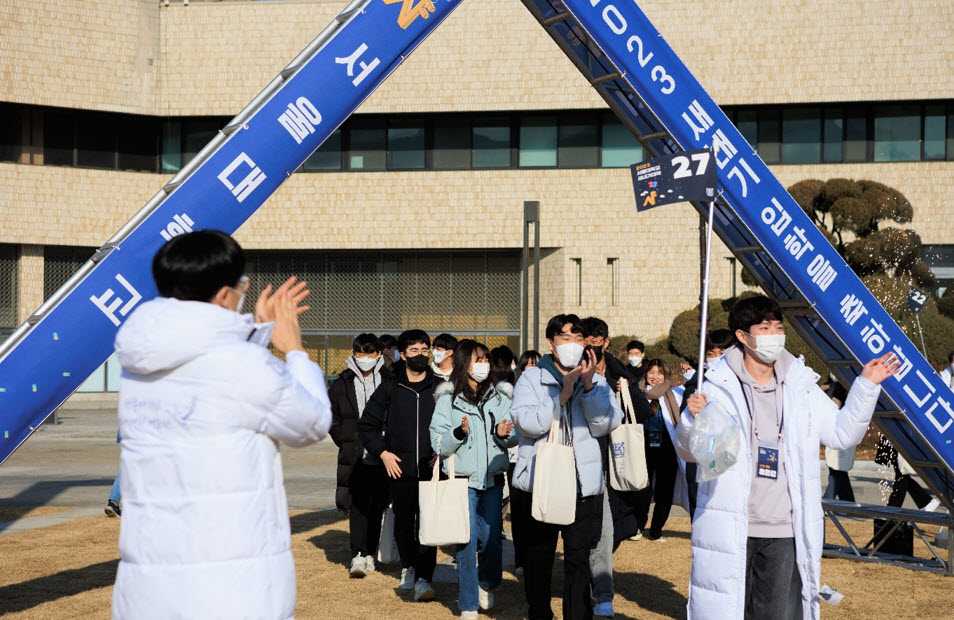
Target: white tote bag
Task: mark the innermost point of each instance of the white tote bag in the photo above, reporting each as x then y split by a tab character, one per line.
627	449
554	478
445	508
387	547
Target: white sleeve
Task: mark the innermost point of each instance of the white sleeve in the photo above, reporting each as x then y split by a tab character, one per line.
302	415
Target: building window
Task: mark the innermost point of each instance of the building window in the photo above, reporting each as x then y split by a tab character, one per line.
407	146
538	142
620	148
935	132
856	136
801	136
171	158
748	126
58	134
9	255
834	135
196	133
327	156
369	142
897	133
138	143
579	280
61	262
613	266
11	133
452	146
578	146
491	140
769	147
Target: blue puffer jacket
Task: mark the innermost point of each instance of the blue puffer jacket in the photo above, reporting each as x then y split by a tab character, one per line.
536	400
481	454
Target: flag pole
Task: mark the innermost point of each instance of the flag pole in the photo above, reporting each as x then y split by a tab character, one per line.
704	308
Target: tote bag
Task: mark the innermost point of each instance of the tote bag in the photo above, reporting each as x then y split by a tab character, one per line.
387	547
445	508
554	478
627	450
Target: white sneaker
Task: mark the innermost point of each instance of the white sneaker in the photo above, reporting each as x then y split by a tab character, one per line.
638	536
603	610
423	592
485	599
358	567
407	579
932	505
369	564
468	615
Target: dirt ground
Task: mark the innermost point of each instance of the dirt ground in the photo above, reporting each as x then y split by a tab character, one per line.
67	571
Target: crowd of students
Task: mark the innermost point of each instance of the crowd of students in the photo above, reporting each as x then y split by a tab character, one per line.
403	403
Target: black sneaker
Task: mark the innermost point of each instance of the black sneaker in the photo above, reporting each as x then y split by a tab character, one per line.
112	509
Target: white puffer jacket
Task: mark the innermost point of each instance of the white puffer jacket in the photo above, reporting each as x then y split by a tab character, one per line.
720	527
205	530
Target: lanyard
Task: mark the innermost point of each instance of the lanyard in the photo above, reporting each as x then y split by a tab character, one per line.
748	405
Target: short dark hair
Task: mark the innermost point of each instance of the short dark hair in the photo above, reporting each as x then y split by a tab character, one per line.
720	339
636	344
555	325
196	265
412	336
388	341
752	311
445	341
501	356
366	343
595	326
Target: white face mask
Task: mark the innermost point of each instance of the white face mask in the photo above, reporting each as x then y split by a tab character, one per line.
569	354
635	361
768	347
439	356
480	371
366	363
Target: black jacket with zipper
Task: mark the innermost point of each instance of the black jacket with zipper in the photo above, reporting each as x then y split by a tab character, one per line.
344	430
402	411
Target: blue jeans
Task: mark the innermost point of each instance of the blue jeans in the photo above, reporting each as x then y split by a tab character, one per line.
114	492
486	524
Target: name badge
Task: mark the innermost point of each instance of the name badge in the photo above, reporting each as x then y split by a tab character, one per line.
655	438
769	456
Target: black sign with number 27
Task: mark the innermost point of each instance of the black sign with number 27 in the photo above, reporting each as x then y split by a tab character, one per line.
676	178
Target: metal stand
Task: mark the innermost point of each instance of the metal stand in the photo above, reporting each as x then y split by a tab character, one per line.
893	518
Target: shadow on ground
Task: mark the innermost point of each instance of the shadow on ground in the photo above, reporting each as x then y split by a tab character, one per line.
43	494
29	594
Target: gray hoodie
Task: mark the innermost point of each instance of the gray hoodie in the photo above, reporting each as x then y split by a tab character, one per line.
770	505
365	386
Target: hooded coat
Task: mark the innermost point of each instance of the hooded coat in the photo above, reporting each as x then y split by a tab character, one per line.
720	527
344	424
205	530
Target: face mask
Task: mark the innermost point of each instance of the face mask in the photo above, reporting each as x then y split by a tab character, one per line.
396	356
439	356
366	363
597	351
480	372
569	354
417	363
635	361
768	347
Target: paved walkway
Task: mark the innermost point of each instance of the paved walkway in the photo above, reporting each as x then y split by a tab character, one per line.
73	464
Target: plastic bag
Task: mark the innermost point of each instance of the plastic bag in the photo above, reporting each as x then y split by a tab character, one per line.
714	442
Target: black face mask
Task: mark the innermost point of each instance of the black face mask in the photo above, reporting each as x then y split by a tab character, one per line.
597	351
417	363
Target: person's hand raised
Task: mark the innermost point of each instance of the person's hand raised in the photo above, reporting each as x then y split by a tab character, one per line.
287	333
588	368
880	368
265	304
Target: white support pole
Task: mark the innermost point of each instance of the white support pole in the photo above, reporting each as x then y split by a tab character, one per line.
704	309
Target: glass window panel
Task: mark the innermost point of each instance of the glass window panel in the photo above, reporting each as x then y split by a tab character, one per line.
406	148
138	138
620	149
328	155
368	148
834	134
935	130
538	142
491	145
171	146
748	126
856	136
897	133
578	147
801	136
198	132
769	147
11	133
451	146
57	138
95	141
950	133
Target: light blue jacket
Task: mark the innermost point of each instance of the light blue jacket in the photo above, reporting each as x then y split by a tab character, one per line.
481	454
536	400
